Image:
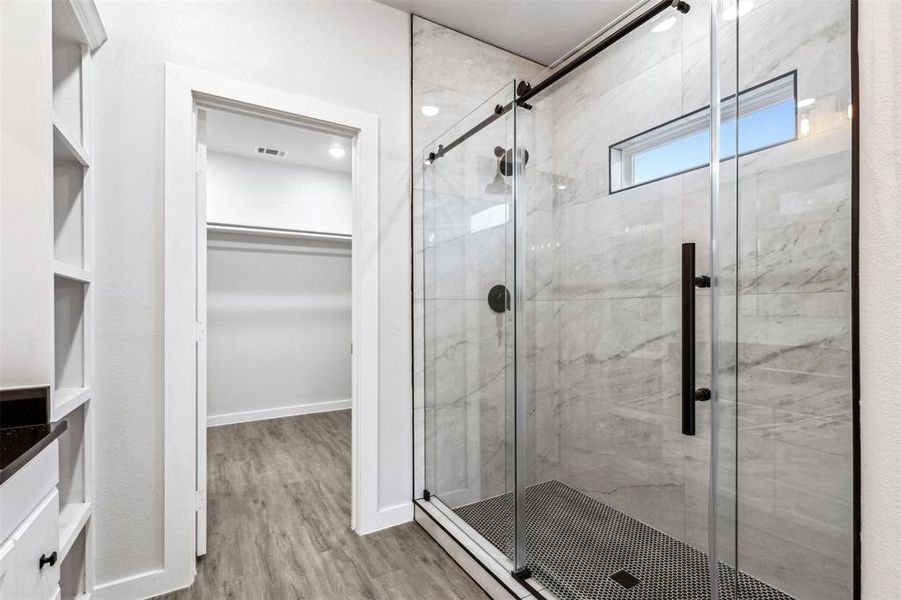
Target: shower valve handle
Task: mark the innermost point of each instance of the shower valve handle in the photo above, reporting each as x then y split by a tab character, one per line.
690	394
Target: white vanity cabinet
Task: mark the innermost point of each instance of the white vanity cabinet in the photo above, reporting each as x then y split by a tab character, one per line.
35	552
29	552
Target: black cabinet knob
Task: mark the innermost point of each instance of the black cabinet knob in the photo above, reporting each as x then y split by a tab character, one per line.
47	560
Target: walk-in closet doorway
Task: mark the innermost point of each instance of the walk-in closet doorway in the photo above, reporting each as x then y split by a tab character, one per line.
271	292
275	204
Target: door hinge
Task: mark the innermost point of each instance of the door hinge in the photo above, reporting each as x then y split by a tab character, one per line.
199	331
199	500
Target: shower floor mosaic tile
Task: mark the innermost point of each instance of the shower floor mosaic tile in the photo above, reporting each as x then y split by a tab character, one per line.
576	543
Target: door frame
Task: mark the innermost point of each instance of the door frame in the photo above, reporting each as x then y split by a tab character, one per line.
183	88
200	290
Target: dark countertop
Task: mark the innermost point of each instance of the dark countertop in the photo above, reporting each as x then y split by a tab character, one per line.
18	445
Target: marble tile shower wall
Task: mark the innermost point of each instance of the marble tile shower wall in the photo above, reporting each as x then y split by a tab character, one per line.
468	417
794	325
609	289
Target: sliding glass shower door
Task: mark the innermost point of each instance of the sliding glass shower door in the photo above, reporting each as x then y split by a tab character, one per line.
572	314
630	445
635	308
468	205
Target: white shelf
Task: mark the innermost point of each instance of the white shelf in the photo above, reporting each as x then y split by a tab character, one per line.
63	269
72	519
76	33
66	146
65	400
78	22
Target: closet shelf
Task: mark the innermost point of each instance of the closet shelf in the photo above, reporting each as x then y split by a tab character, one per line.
72	518
65	400
64	269
66	146
275	232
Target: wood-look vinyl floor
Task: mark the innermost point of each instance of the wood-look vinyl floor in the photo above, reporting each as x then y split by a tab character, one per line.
279	523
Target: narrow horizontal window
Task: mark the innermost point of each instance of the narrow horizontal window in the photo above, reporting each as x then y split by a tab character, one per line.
767	117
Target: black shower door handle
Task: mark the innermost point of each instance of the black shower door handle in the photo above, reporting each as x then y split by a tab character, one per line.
690	394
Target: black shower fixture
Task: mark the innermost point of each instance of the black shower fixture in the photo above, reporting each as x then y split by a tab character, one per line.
505	163
682	7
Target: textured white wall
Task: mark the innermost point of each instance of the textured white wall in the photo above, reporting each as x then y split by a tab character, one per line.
249	191
278	325
880	296
354	53
25	145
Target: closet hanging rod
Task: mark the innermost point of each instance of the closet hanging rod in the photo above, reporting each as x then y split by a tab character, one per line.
276	232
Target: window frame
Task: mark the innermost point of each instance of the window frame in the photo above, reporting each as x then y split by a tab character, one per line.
621	154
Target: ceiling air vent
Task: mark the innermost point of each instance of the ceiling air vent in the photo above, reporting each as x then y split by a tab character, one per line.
270	152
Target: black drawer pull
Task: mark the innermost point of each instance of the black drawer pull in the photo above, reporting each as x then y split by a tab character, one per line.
47	560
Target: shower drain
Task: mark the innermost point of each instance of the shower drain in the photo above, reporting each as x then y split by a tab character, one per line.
625	579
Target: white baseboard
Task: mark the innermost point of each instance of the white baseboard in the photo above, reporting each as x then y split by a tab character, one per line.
275	413
142	585
388	517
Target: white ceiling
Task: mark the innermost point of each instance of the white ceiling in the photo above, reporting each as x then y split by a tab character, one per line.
541	30
240	135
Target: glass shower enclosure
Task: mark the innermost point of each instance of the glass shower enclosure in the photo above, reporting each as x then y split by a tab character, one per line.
637	359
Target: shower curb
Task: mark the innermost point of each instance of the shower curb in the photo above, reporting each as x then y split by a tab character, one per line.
498	584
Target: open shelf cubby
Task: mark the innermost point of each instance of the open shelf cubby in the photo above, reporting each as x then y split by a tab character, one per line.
75	500
69	342
67	86
72	573
68	212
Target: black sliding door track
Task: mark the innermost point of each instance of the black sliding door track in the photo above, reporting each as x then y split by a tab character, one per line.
525	91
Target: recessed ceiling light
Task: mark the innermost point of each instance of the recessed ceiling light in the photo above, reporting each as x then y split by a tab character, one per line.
429	110
664	25
806	102
337	151
561	186
732	12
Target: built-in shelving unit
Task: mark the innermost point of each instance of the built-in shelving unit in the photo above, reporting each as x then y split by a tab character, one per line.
77	33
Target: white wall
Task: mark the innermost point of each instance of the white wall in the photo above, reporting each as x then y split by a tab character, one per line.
880	296
278	309
354	53
278	327
25	220
265	193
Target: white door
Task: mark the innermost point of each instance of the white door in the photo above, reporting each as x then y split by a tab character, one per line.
200	328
